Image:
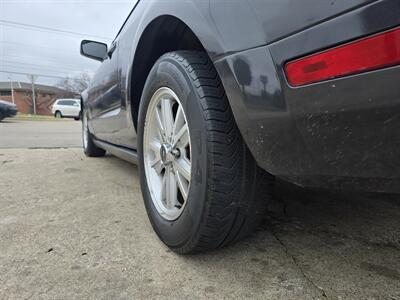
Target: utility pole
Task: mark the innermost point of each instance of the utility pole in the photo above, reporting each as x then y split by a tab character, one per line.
12	93
12	90
33	78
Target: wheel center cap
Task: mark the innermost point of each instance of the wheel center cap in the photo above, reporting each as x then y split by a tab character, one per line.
166	154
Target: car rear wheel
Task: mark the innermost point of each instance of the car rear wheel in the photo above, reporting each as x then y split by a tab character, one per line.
58	114
89	147
201	186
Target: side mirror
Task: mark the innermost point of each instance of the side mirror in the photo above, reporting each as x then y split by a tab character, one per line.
94	50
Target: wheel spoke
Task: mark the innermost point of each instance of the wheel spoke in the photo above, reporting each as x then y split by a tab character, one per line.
160	124
166	109
155	145
185	139
179	120
183	187
164	185
157	165
183	166
182	137
171	196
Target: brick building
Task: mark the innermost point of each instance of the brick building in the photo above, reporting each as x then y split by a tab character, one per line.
45	96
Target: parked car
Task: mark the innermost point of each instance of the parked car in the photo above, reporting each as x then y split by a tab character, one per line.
67	108
7	110
214	99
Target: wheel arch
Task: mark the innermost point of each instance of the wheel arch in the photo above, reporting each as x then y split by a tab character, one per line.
164	34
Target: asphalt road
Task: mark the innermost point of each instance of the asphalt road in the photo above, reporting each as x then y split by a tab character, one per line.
40	134
72	227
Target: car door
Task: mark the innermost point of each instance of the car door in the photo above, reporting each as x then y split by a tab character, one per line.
104	99
70	107
65	108
57	106
75	108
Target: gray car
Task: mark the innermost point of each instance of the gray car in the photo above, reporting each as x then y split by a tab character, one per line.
215	99
7	110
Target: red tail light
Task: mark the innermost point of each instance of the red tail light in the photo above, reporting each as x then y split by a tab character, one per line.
367	54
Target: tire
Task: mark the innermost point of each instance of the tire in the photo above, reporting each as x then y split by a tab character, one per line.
58	114
228	193
89	147
77	118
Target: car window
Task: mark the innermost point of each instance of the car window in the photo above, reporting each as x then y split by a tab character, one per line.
72	103
68	102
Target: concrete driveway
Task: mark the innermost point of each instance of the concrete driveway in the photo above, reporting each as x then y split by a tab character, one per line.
72	227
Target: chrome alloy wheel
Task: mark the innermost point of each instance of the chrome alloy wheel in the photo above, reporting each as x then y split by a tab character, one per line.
85	131
167	153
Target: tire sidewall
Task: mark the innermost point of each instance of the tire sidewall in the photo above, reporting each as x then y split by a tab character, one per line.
178	233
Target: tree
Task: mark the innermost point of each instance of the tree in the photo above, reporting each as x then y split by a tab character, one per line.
75	85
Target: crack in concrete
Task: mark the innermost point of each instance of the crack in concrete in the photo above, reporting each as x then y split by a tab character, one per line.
298	266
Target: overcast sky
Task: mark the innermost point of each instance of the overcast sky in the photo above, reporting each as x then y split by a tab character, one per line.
36	50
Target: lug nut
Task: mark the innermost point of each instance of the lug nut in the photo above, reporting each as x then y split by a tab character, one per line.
176	152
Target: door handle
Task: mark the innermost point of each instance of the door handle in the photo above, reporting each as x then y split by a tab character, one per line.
111	50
